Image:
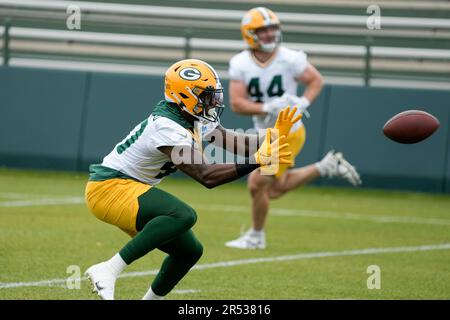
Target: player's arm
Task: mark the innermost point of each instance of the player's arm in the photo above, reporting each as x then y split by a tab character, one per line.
235	142
239	100
246	144
192	162
313	81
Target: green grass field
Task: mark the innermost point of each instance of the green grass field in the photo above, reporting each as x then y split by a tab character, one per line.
321	241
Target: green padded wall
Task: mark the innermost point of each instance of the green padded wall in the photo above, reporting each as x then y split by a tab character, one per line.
356	118
41	114
67	120
116	104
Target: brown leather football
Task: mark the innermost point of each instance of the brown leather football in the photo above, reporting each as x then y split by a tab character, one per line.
410	126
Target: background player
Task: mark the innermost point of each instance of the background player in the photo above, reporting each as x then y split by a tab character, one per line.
264	79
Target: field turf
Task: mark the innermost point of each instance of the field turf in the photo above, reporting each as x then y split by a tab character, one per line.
321	240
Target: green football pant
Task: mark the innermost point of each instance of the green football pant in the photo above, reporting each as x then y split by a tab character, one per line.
164	222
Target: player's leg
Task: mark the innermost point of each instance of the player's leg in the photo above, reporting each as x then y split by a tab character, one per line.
258	186
114	201
293	179
160	218
183	252
254	238
332	165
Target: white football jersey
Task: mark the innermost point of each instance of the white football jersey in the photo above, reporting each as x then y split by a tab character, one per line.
138	156
265	83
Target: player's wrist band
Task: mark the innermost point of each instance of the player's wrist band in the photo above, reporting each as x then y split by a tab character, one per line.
246	168
305	101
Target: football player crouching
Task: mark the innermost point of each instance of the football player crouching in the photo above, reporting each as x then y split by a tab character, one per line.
123	191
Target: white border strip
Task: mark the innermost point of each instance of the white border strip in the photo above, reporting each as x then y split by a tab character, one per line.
170	42
156	70
409	84
87	66
221	14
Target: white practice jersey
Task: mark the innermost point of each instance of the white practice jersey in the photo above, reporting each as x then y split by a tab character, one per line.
265	83
138	156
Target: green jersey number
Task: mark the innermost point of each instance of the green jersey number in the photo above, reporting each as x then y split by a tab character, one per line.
167	169
275	88
124	146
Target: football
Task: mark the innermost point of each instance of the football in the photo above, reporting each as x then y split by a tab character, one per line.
410	126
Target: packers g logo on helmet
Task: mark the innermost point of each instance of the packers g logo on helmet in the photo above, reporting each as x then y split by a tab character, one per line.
254	19
190	74
195	87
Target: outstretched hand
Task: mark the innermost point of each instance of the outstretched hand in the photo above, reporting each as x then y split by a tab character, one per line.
286	120
271	154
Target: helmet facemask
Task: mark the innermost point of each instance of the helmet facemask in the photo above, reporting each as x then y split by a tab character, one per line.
267	47
209	105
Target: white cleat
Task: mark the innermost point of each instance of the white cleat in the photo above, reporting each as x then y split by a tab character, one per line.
346	171
328	165
248	241
102	280
335	165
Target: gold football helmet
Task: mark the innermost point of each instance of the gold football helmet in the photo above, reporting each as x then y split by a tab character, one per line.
195	87
257	18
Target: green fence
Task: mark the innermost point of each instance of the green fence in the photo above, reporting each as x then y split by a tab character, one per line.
67	120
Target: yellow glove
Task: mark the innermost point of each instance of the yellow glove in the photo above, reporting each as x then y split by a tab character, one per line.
286	120
270	155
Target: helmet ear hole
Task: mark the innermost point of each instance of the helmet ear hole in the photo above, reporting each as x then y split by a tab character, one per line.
183	95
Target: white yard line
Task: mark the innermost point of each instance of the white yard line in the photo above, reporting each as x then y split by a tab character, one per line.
185	291
358	216
232	263
11	195
332	214
42	202
50	201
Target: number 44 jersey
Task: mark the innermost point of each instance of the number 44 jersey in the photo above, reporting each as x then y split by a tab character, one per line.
138	156
270	80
